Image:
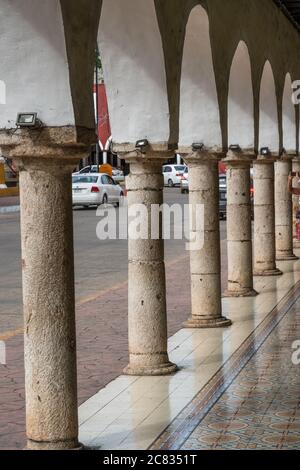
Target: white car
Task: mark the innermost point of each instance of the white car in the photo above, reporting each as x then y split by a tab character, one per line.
93	189
118	175
184	182
172	174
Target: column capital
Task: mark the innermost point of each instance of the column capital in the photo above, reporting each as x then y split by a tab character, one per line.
263	159
239	158
287	156
151	151
41	157
196	157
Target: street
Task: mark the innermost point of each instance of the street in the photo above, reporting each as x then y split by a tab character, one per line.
99	264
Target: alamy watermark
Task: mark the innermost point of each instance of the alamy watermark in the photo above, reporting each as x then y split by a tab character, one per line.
296	92
153	222
296	353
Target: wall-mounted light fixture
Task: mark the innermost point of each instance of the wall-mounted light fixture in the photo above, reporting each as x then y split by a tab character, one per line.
235	148
265	151
197	146
140	144
27	120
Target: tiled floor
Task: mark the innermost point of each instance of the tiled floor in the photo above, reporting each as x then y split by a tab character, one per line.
132	412
261	408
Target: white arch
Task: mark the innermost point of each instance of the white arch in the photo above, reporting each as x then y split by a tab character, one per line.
134	70
34	64
288	117
268	121
2	92
199	108
240	100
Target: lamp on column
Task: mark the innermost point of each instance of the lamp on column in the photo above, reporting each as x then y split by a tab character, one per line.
142	144
28	120
235	148
196	146
265	151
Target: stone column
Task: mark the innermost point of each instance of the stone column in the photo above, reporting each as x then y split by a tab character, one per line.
283	210
147	316
264	217
239	233
295	201
205	261
48	298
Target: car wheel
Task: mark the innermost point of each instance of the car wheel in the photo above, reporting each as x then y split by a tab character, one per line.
104	199
118	203
170	183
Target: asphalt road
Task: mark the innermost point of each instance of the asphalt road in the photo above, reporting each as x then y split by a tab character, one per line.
99	264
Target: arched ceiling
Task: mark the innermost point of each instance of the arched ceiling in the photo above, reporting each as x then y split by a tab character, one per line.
292	9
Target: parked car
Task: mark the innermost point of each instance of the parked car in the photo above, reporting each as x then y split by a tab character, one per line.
117	175
95	189
87	169
184	181
172	174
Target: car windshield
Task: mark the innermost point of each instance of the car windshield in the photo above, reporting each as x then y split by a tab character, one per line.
84	179
180	168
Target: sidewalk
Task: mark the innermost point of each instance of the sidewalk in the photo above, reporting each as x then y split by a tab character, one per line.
134	412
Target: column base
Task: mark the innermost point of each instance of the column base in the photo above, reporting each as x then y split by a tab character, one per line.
268	272
160	369
59	445
241	293
287	257
198	322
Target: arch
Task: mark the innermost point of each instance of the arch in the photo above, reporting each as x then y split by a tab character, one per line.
268	121
240	100
42	81
134	70
2	92
199	119
288	117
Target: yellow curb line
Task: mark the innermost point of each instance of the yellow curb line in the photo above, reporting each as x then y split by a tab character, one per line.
10	334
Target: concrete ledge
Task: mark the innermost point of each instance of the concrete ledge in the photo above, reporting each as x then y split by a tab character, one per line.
8	192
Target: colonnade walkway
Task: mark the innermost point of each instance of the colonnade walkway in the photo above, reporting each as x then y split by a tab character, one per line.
171	411
236	387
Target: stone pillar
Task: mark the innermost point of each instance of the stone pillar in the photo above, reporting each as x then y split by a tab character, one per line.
147	316
295	201
239	233
48	298
264	217
283	210
205	261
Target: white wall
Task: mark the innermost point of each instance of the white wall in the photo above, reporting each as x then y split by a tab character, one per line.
199	109
288	117
268	122
240	100
33	62
134	71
